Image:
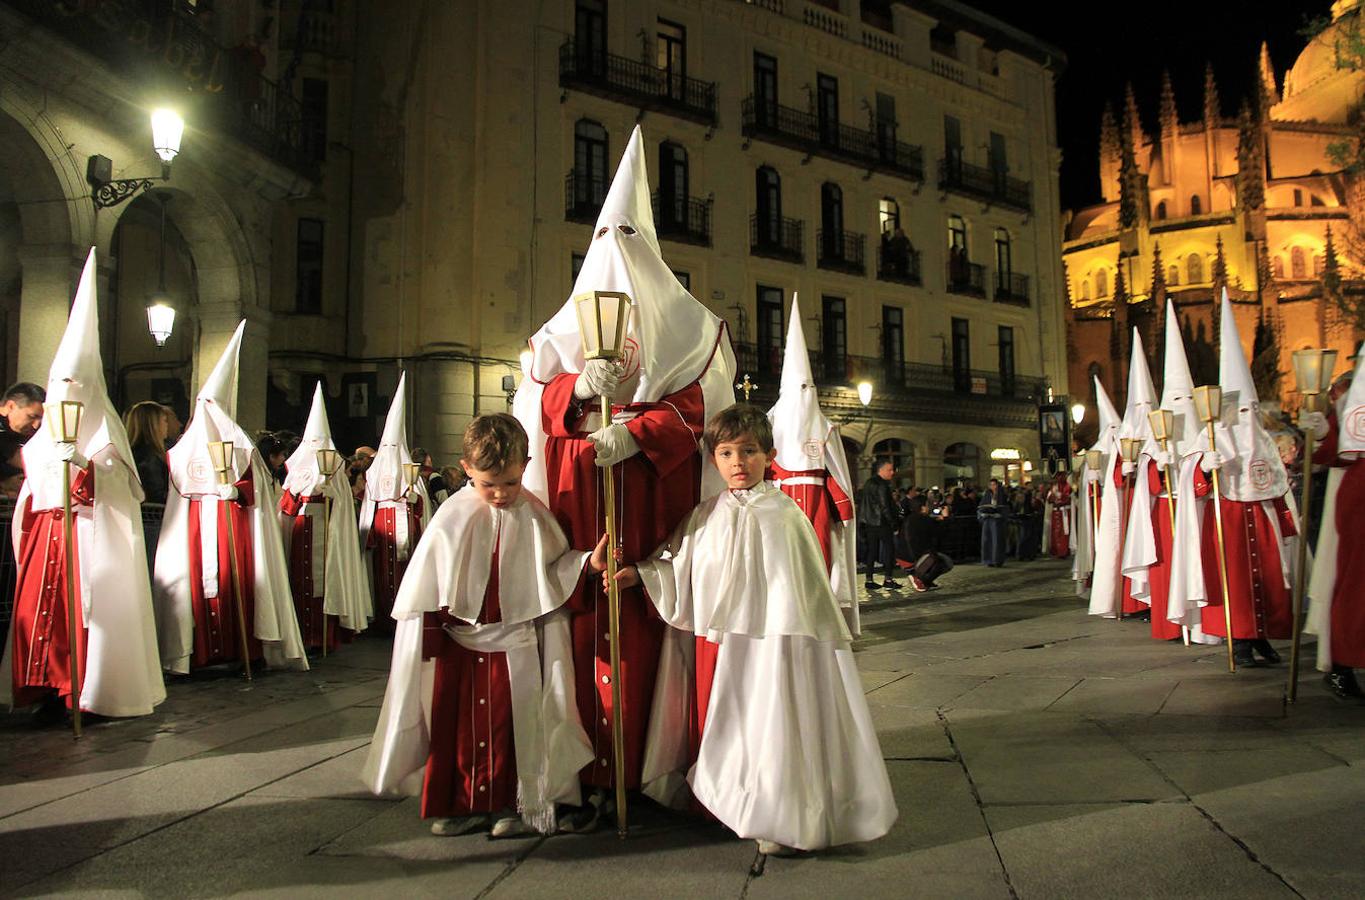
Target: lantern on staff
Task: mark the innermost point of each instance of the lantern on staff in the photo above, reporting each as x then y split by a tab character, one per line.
603	317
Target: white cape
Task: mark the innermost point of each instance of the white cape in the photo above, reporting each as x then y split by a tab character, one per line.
788	751
345	583
450	570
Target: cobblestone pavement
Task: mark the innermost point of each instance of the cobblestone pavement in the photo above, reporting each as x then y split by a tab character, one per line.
1035	752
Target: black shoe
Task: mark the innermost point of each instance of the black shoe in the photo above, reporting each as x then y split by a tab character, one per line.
871	586
51	711
1268	653
890	585
1241	655
1144	616
1341	681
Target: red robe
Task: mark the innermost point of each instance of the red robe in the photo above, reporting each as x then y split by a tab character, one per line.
388	568
1262	606
1159	574
41	657
308	599
655	489
217	636
471	763
823	504
1348	594
1059	544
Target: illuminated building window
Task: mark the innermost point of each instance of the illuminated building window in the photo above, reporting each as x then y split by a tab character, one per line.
1194	265
1277	266
1196	207
1298	265
1161	210
1102	283
1317	265
1172	275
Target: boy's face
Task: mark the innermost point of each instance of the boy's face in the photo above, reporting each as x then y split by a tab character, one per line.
499	488
741	462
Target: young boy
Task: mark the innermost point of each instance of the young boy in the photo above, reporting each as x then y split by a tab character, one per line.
783	743
479	712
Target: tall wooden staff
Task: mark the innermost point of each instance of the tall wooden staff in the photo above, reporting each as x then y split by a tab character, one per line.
602	320
64	424
1208	403
1163	423
220	453
1129	448
327	465
1313	374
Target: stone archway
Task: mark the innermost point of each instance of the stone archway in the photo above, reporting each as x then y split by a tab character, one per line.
40	192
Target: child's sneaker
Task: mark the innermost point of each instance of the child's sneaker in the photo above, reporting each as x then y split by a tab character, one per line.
457	826
510	825
773	848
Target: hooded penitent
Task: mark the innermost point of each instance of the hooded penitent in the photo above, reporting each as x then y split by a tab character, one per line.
194	492
336	568
1088	541
672	340
387	485
1177	395
1257	473
120	674
806	441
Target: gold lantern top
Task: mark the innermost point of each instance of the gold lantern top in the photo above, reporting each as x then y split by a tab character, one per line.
1162	422
1313	370
220	455
1129	448
1094	460
410	472
63	419
327	461
603	317
1208	402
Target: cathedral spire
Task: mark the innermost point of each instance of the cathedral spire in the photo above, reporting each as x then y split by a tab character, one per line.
1130	191
1132	122
1212	110
1170	117
1250	160
1269	93
1331	267
1109	135
1158	276
1220	268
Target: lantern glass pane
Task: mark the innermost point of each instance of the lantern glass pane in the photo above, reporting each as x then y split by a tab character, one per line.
71	419
218	454
1308	365
1208	402
1094	459
160	322
1329	364
167	129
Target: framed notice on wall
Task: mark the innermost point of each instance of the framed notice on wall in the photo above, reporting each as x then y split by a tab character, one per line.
1054	436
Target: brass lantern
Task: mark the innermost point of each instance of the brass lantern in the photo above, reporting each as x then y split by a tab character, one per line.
1208	402
603	317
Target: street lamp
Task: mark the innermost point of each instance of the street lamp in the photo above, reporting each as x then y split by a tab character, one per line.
865	392
1077	413
167	129
160	313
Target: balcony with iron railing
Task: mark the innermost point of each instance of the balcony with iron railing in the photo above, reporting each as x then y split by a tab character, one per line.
841	251
1011	287
982	183
155	43
904	389
874	149
683	219
898	264
777	237
967	278
584	195
315	31
636	83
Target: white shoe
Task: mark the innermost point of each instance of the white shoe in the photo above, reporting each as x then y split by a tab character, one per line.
458	825
773	848
510	826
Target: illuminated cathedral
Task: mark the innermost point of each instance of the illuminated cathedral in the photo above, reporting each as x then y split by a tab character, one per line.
1259	203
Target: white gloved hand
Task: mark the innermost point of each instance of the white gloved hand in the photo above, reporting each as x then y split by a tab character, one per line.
614	444
1212	460
1127	468
1161	458
1314	423
67	452
227	492
599	377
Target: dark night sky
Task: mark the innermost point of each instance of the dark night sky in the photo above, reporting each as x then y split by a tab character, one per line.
1103	54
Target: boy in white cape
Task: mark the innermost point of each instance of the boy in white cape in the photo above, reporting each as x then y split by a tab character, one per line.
783	743
479	716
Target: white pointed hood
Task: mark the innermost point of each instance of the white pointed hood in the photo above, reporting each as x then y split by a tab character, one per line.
1177	393
303	474
1141	395
215	408
77	373
1257	473
800	428
1351	415
672	339
384	479
1109	418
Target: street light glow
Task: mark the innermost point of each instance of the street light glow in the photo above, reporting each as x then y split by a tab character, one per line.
1077	413
865	392
167	128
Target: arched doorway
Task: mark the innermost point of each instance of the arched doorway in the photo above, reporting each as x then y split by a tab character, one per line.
961	464
137	368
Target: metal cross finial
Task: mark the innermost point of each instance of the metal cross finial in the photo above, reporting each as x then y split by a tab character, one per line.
746	386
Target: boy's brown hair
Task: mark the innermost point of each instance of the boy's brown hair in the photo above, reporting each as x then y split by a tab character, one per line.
738	421
494	442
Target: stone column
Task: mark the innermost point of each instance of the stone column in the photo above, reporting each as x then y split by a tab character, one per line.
50	274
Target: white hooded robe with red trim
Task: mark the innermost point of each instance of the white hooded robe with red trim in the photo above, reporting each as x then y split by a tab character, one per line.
116	649
194	586
678	372
1096	491
317	519
811	468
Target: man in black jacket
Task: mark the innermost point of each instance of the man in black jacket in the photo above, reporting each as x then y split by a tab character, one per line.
878	518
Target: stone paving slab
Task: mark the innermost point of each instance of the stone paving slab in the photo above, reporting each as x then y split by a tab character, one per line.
1199	772
1015	692
924	691
1108	696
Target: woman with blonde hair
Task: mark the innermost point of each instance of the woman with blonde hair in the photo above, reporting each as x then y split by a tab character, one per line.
147	424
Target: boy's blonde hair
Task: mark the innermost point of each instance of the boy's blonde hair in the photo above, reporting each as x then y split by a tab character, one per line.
738	421
494	442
